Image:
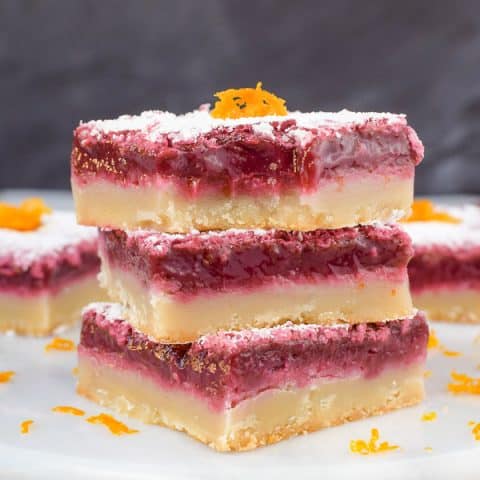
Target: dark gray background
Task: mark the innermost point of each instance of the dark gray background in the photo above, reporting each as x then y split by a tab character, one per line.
64	61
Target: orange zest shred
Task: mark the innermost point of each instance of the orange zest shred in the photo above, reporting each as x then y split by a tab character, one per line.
60	344
26	217
463	383
428	449
75	371
362	447
427	374
25	426
115	427
450	353
68	409
429	416
475	429
424	210
247	102
434	342
5	377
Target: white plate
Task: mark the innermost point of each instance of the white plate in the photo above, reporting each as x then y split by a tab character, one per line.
63	444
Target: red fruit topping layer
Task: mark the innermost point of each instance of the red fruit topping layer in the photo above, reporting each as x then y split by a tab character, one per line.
228	367
255	155
436	266
219	261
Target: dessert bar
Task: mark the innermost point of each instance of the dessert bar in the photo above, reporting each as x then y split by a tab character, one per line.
240	390
47	274
299	171
445	270
180	286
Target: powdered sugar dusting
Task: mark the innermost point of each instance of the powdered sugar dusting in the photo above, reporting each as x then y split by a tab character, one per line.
303	137
130	122
454	235
181	128
264	129
233	337
153	238
58	231
229	339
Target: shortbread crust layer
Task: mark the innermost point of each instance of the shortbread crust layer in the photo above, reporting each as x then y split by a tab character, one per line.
267	418
349	203
40	313
173	319
454	304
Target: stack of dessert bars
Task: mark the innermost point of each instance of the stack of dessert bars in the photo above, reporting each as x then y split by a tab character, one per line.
262	287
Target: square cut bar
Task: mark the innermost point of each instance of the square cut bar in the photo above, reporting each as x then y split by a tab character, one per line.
445	270
302	171
242	390
180	286
47	275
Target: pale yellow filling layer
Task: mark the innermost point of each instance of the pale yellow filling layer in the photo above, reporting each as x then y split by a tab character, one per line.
162	208
459	305
266	418
170	320
41	314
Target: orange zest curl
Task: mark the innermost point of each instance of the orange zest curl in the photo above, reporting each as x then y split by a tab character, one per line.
68	409
5	377
25	426
60	344
429	416
247	102
26	217
463	383
425	211
362	447
115	427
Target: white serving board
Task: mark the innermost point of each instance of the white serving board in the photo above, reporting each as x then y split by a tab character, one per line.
64	446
